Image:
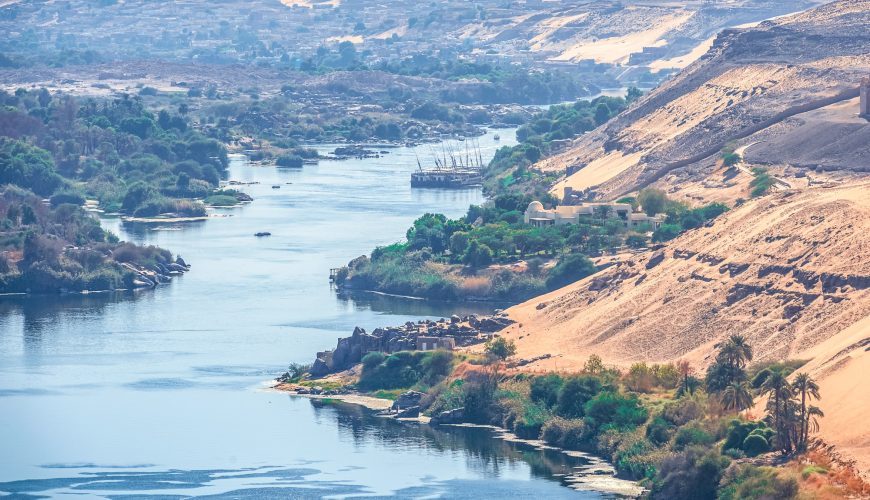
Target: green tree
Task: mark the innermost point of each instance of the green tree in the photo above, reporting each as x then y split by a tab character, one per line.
500	348
569	269
807	389
737	396
779	393
653	201
478	255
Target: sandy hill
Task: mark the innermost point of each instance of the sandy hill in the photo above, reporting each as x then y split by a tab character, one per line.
791	271
659	34
753	83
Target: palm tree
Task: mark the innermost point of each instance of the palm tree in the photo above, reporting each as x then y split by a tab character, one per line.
684	368
736	351
807	389
780	392
737	396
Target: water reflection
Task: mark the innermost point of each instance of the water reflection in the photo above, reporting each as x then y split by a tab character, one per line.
484	454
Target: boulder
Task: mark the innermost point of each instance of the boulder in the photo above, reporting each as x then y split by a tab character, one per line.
407	400
411	412
319	368
494	324
454	416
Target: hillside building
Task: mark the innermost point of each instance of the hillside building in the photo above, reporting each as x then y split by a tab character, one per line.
536	215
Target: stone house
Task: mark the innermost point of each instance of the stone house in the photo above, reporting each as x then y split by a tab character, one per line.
433	343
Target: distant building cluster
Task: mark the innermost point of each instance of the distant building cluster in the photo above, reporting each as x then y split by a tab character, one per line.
538	216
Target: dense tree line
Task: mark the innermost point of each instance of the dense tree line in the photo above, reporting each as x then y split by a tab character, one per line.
495	233
46	248
113	150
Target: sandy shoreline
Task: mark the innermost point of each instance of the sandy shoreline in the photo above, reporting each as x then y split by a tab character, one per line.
369	402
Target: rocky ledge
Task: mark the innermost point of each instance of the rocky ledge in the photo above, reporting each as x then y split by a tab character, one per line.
157	273
422	335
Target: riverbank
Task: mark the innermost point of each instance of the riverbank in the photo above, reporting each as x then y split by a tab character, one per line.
597	475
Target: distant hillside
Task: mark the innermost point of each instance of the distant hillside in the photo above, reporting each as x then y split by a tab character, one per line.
753	85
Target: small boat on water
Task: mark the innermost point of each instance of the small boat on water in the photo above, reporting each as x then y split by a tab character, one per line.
496	137
276	186
262	233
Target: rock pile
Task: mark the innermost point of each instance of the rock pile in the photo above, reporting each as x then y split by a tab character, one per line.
459	331
157	273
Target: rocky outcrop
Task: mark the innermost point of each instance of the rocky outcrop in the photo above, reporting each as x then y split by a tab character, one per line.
155	274
408	399
454	416
462	332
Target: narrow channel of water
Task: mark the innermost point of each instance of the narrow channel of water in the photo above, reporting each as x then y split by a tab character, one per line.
160	392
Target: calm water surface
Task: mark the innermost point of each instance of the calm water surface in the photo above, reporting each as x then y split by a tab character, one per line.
161	393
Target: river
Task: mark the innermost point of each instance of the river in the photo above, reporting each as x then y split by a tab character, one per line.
162	392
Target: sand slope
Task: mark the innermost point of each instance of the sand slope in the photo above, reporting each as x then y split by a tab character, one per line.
749	80
790	271
841	365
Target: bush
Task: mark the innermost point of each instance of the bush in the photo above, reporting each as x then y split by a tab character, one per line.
67	197
659	431
221	200
691	475
289	160
575	393
748	482
639	378
372	360
500	348
692	435
754	445
545	389
730	159
739	431
569	269
666	232
564	433
612	409
404	369
762	182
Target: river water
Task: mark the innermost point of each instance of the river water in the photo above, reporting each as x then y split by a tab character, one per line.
161	392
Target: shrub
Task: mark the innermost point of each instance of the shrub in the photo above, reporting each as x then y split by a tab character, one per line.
690	475
659	431
612	409
500	348
639	378
221	200
575	393
754	445
67	197
404	369
545	389
738	432
372	359
564	433
289	160
666	232
569	269
762	182
730	159
748	482
692	435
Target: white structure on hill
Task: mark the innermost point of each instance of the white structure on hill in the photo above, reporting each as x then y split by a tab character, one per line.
538	216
